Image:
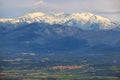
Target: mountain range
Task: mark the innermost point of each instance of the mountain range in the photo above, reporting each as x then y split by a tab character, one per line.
36	32
86	21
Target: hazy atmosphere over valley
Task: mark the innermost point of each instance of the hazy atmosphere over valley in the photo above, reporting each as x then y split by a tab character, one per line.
59	40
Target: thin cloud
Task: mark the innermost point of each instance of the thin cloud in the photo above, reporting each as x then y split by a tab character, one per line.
14	9
38	3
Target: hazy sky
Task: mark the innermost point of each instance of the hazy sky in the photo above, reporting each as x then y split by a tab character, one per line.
16	8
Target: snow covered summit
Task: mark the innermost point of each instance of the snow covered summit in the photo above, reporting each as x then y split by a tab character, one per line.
86	21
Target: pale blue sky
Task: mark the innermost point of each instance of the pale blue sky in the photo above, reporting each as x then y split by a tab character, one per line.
16	8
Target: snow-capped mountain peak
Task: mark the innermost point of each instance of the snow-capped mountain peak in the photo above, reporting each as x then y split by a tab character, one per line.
5	19
85	21
33	15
